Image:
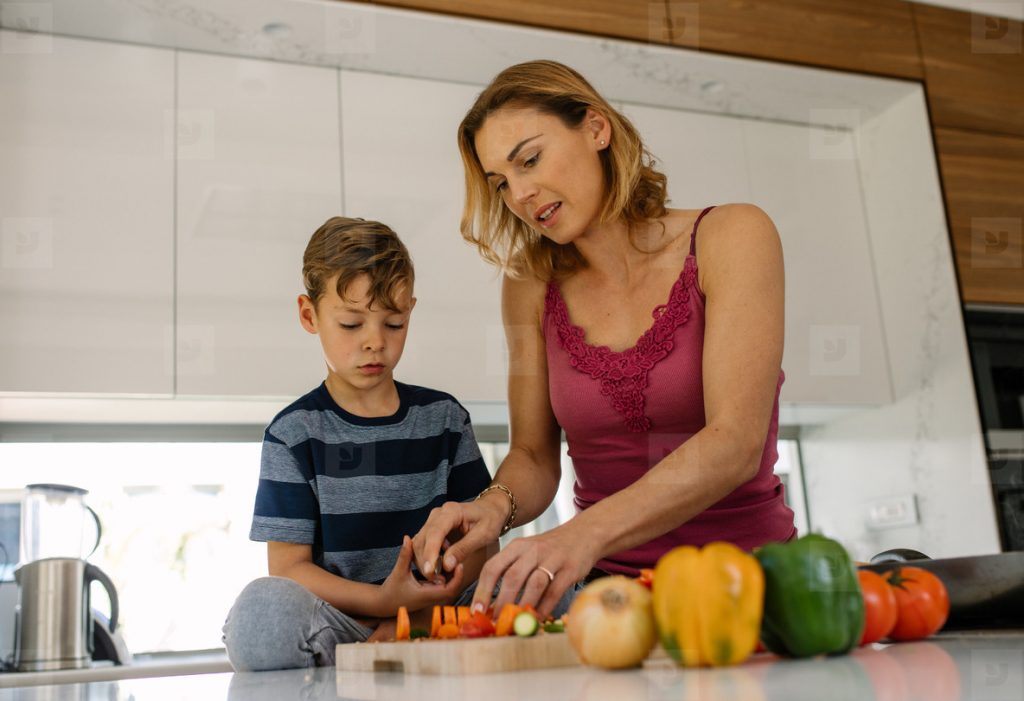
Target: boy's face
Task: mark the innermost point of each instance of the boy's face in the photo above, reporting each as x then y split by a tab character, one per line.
362	345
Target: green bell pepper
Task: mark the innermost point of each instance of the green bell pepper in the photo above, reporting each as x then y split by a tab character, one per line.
812	599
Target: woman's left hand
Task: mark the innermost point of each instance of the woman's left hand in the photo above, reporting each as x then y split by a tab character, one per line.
543	567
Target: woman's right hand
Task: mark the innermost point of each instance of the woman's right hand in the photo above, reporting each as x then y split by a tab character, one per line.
401	588
468	526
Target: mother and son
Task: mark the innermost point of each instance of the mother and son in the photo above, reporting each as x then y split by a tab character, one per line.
651	336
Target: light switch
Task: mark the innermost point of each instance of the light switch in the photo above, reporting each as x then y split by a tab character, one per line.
892	512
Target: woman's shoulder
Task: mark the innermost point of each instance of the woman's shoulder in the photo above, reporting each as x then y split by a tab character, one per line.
522	297
731	223
736	239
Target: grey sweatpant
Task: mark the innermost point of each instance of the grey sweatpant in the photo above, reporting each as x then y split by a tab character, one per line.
276	623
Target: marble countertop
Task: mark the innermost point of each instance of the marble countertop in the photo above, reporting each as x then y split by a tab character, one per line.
979	667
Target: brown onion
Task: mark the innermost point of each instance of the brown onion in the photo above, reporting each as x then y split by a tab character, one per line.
611	623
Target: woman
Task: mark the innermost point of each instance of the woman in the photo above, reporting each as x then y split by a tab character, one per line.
671	422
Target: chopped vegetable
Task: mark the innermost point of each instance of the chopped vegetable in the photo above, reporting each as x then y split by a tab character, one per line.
435	622
448	631
478	626
525	624
418	633
646	578
554	627
402	624
449	616
462	615
505	619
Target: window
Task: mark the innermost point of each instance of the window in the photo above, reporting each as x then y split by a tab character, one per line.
176	520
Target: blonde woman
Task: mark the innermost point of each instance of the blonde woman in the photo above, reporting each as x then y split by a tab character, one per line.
651	336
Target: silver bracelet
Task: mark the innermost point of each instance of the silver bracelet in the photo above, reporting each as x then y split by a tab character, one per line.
512	501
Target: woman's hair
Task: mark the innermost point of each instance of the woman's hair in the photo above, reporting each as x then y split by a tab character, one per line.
635	191
349	248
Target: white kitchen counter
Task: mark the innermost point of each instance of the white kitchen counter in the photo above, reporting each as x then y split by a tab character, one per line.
985	667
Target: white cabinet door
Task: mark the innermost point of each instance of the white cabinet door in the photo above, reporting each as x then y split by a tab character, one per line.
258	171
806	179
402	167
86	210
701	154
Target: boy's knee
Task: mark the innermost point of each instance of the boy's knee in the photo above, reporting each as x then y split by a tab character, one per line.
266	627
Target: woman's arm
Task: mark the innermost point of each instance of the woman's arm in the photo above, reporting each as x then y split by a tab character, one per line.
532	469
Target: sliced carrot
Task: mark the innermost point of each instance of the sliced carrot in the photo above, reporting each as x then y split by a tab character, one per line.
449	616
462	615
448	631
402	624
435	622
505	618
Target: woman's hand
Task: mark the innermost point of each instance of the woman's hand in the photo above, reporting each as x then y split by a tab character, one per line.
401	588
521	567
472	525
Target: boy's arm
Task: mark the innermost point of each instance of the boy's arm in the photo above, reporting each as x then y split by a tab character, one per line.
295	562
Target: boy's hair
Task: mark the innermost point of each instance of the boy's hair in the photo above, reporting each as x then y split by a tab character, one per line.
349	248
636	192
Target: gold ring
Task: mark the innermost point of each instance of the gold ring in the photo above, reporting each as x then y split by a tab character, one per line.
549	573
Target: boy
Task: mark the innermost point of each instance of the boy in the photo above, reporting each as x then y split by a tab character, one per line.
352	469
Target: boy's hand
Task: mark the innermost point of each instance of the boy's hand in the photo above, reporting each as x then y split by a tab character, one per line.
401	588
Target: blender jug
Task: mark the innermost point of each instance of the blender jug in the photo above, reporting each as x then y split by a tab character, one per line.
53	523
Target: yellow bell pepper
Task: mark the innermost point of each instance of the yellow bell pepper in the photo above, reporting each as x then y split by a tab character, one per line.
708	604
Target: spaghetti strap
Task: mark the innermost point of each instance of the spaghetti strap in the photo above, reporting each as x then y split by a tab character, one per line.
693	234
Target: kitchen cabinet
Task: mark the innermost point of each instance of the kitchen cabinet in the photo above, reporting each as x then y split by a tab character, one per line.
402	167
258	170
86	210
806	179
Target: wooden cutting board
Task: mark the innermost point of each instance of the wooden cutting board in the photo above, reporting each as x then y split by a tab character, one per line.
470	656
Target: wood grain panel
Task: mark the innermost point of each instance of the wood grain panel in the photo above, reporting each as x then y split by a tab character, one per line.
974	69
983	179
868	36
630	19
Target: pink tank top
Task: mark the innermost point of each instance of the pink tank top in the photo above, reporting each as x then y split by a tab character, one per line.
622	412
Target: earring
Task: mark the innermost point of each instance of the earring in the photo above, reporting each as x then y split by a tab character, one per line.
602	142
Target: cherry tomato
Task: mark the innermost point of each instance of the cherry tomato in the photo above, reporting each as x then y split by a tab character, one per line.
478	625
922	601
880	609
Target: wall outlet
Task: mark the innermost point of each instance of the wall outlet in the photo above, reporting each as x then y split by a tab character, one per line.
892	512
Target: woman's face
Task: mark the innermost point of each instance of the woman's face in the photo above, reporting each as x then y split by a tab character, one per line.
547	174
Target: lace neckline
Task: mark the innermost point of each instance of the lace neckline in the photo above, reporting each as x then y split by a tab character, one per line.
623	374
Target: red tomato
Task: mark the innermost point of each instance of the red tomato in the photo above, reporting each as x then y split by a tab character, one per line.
880	609
479	625
922	601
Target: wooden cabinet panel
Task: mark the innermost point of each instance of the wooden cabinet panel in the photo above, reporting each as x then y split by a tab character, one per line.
974	68
983	178
870	36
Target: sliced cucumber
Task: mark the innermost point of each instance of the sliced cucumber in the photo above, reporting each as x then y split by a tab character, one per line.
554	627
525	624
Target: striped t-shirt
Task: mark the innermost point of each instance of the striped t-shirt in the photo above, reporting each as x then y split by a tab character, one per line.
352	486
